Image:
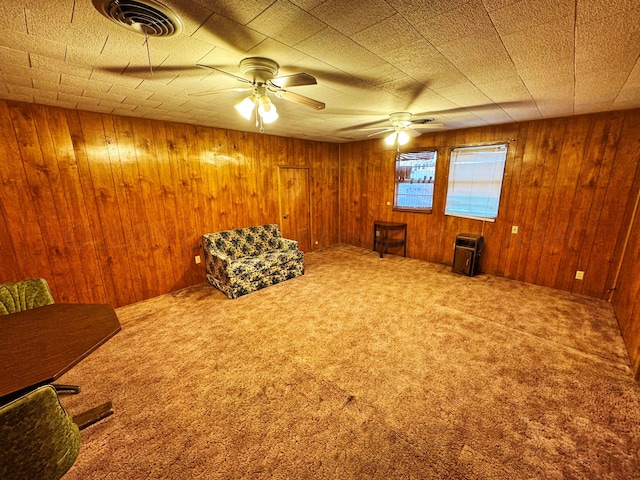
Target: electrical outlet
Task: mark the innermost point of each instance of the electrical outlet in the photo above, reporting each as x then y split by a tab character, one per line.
197	259
388	204
316	242
579	275
514	229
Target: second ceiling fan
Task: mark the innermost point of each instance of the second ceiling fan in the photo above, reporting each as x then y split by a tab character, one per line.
403	128
260	76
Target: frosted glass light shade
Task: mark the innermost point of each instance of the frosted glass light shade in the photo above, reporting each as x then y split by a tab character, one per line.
245	107
267	110
391	139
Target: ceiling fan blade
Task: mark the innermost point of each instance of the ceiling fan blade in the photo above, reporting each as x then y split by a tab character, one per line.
301	99
222	90
429	125
240	79
295	80
413	133
386	130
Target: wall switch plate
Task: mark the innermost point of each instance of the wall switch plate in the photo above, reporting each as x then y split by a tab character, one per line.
197	259
514	229
579	275
388	204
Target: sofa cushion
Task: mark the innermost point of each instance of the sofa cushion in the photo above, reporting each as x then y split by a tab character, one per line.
249	241
263	264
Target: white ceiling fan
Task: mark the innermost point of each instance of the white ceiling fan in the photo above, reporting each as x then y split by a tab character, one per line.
403	128
260	76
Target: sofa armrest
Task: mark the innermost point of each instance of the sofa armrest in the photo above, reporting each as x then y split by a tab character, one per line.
288	244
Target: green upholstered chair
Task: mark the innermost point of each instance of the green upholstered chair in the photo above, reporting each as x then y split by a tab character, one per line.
24	295
38	439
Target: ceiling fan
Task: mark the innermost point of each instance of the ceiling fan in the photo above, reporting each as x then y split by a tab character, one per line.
260	77
403	128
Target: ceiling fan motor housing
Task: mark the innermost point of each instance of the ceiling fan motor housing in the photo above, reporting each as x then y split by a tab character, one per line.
400	120
259	69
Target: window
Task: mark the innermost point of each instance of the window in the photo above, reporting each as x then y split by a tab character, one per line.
475	181
415	174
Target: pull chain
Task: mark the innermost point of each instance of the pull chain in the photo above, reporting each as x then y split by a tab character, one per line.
146	41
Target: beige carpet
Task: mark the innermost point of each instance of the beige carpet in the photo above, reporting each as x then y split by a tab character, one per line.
363	368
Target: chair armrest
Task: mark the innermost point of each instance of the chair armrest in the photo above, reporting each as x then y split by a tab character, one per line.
288	244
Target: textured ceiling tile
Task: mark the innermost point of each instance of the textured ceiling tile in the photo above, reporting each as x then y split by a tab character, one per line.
622	37
9	79
479	57
541	45
84	83
600	85
627	98
417	11
114	79
53	64
505	90
142	103
29	91
307	4
130	92
179	51
470	19
29	43
353	16
27	72
40	16
56	87
96	94
241	12
12	17
527	14
390	35
10	55
18	97
589	10
154	87
555	108
232	36
168	100
287	22
498	4
352	56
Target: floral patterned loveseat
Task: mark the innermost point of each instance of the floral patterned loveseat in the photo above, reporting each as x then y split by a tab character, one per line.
247	259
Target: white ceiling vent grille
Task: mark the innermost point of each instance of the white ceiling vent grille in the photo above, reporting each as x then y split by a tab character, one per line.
148	17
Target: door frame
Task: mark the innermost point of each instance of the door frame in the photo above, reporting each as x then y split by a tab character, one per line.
309	213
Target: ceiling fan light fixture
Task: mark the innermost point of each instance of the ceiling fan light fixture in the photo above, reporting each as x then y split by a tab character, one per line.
267	109
246	106
403	137
391	139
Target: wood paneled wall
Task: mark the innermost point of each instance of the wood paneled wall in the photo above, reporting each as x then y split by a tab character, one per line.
626	298
111	209
568	186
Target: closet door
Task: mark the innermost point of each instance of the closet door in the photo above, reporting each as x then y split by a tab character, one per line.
294	198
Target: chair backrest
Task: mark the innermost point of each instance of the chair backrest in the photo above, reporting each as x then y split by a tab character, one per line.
23	295
244	242
38	439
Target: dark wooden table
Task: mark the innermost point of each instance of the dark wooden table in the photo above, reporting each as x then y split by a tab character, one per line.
383	238
38	345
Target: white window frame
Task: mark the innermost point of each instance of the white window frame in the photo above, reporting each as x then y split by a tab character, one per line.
474	185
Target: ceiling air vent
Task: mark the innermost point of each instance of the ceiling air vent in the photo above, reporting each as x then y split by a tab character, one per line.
148	18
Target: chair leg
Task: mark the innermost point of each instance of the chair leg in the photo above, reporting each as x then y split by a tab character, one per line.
85	419
64	389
